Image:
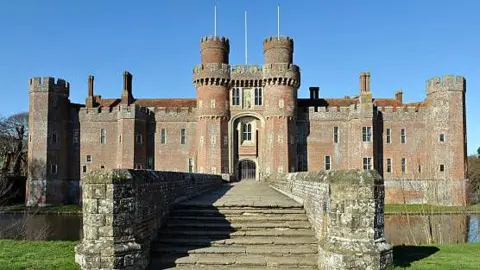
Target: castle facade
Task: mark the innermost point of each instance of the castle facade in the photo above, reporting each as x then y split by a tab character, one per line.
247	122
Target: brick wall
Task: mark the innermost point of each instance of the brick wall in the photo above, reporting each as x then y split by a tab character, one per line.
345	209
122	210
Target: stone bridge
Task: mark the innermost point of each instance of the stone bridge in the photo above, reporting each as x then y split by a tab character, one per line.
163	220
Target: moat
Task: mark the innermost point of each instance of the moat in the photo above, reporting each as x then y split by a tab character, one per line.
399	229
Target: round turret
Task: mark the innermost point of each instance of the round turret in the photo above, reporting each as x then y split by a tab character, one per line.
278	50
214	49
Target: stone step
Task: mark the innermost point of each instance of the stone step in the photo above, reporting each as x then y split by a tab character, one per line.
238	226
216	267
247	240
236	211
274	250
237	261
231	233
240	218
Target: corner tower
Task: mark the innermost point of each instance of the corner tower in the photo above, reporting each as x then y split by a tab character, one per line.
281	80
211	79
48	169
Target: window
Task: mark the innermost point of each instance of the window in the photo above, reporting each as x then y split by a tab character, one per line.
389	165
84	169
119	138
54	137
103	136
327	163
419	168
236	96
212	103
89	158
389	135
366	134
163	136
247	132
404	165
258	96
139	166
190	165
403	136
442	137
53	169
367	163
335	134
102	167
139	138
183	136
150	163
442	167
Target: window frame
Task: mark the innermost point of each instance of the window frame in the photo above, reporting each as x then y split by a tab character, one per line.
191	164
247	132
139	135
442	137
258	96
89	158
53	168
388	138
389	165
235	96
335	135
103	136
404	165
163	136
367	163
403	136
183	136
327	161
366	134
442	168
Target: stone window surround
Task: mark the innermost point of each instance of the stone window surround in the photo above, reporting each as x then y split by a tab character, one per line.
366	134
403	136
183	136
89	158
335	135
258	96
327	163
163	136
389	165
388	135
367	163
236	96
442	137
103	136
442	168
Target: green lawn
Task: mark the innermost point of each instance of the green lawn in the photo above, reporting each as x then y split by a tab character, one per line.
69	208
15	254
426	208
437	257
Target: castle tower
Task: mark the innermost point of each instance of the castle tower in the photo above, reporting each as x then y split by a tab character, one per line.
281	80
48	142
211	79
446	136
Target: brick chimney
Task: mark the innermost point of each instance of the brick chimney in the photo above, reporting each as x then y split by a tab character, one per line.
127	96
314	92
364	82
90	102
399	96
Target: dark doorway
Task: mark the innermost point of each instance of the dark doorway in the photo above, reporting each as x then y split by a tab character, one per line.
247	169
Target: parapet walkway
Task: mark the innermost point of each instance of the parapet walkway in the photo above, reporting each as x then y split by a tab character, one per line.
245	225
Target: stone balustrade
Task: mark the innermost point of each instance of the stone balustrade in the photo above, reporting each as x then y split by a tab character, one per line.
345	209
123	209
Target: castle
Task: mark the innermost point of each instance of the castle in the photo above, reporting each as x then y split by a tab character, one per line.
247	122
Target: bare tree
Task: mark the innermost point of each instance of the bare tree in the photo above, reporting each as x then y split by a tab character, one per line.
13	144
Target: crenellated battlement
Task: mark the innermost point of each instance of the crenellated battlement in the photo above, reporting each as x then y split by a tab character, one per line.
49	84
211	74
247	76
275	42
446	83
281	74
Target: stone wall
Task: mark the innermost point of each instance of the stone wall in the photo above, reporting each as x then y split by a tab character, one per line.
122	210
345	209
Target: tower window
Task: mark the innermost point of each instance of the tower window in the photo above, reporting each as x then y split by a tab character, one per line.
389	165
247	132
54	137
89	158
190	165
389	135
53	169
335	134
367	134
442	167
367	163
327	163
403	136
236	96
404	165
442	137
183	136
103	136
163	136
139	138
84	169
258	96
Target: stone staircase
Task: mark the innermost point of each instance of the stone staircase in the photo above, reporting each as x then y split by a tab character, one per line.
228	232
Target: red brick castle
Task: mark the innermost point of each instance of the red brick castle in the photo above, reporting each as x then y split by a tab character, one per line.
247	122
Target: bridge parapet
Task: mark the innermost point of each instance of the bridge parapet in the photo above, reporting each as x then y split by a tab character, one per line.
345	209
123	209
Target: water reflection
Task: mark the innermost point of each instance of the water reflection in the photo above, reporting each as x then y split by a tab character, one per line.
427	229
399	229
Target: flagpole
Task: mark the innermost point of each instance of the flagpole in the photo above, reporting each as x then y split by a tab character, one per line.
278	22
215	21
246	40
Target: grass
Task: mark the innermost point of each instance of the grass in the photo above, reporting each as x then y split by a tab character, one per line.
426	208
69	208
19	254
437	257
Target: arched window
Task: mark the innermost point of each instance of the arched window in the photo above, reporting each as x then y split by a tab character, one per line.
247	132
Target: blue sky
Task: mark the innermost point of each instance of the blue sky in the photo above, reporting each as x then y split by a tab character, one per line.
402	44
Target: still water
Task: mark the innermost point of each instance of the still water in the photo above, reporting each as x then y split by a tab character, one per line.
399	229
